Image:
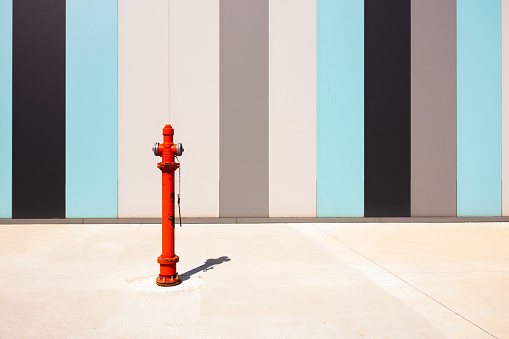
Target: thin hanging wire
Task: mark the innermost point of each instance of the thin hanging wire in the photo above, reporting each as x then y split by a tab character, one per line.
178	196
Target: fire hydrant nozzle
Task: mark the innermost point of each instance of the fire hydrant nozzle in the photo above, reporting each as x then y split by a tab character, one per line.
155	149
168	260
178	152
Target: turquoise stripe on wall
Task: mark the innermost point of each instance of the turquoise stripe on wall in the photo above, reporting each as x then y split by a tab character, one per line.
340	108
91	109
479	107
5	108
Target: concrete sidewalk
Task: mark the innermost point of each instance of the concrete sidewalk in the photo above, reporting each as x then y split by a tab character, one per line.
257	281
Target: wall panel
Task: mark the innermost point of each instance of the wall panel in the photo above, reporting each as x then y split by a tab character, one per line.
505	108
292	108
387	108
142	104
244	105
194	102
433	108
340	108
5	108
91	109
38	109
479	107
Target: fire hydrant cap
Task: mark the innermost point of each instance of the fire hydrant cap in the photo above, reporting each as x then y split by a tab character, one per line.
168	130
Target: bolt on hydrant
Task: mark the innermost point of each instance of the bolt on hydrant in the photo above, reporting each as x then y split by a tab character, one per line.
168	260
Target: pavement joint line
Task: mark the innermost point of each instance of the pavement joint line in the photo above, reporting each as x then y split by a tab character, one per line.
287	274
455	272
403	280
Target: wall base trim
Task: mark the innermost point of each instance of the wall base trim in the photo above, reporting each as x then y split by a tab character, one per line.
254	220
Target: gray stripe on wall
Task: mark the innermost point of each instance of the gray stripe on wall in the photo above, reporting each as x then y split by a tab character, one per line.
433	119
244	109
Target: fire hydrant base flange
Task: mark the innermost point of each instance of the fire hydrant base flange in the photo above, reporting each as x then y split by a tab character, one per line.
168	281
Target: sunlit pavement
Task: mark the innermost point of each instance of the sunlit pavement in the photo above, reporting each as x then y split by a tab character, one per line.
257	281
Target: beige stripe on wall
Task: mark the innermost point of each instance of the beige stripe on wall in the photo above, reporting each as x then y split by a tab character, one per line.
505	108
142	104
292	108
194	102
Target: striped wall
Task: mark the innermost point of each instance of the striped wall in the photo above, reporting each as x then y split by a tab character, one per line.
285	108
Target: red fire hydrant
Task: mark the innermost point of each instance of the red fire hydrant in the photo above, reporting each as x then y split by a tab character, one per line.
168	260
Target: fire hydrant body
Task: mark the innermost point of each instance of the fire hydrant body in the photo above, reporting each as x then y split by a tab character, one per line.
168	260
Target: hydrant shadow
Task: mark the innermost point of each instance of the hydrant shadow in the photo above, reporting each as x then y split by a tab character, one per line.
208	265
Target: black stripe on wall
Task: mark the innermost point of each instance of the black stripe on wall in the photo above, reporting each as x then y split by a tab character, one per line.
38	109
387	108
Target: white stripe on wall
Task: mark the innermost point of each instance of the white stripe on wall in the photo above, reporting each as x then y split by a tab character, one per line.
505	108
194	101
292	108
142	104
